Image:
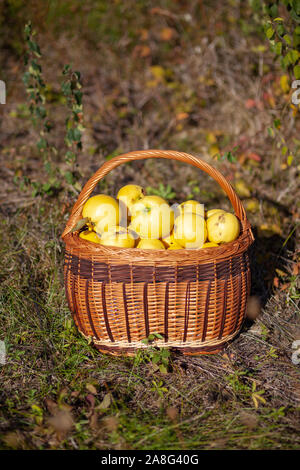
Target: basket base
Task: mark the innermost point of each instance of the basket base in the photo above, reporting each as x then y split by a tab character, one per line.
187	351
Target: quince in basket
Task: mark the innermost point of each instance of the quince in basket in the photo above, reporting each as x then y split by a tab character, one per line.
152	217
118	236
190	230
129	195
150	244
222	227
102	211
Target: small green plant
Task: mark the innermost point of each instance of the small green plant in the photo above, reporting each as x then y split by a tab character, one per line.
256	395
159	357
284	33
37	99
239	382
159	388
280	21
262	359
229	156
36	91
71	89
166	192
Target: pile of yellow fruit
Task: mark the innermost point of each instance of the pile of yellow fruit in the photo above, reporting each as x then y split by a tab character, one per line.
134	219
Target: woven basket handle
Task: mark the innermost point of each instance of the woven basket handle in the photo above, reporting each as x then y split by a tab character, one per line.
141	155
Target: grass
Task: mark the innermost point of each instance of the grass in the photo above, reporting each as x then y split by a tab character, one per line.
57	391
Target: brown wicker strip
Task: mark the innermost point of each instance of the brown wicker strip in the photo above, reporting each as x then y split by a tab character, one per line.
126	313
224	310
118	296
105	313
206	312
166	312
75	307
147	330
87	303
186	311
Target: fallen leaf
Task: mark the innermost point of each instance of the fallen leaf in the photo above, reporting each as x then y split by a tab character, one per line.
91	388
254	156
91	400
166	34
211	138
158	72
284	83
252	205
285	286
242	189
106	402
181	116
295	270
142	50
144	34
280	273
214	150
250	103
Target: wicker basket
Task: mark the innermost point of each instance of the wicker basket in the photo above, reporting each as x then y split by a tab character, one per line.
196	299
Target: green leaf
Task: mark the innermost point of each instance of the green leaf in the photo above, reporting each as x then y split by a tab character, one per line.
47	166
157	335
76	134
46	187
294	15
294	56
28	29
34	47
287	39
270	32
66	88
296	71
273	10
296	6
277	123
163	370
70	157
66	69
42	144
280	29
69	177
78	96
278	48
77	75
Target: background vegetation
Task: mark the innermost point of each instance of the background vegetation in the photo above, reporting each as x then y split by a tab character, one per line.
90	80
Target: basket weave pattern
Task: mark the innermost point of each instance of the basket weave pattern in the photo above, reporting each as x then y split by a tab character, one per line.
196	299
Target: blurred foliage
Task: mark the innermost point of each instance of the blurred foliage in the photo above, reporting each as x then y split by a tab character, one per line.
281	22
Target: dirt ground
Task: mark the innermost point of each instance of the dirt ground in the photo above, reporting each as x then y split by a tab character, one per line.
191	76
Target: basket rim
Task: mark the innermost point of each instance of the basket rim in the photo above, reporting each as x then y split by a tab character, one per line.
119	255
